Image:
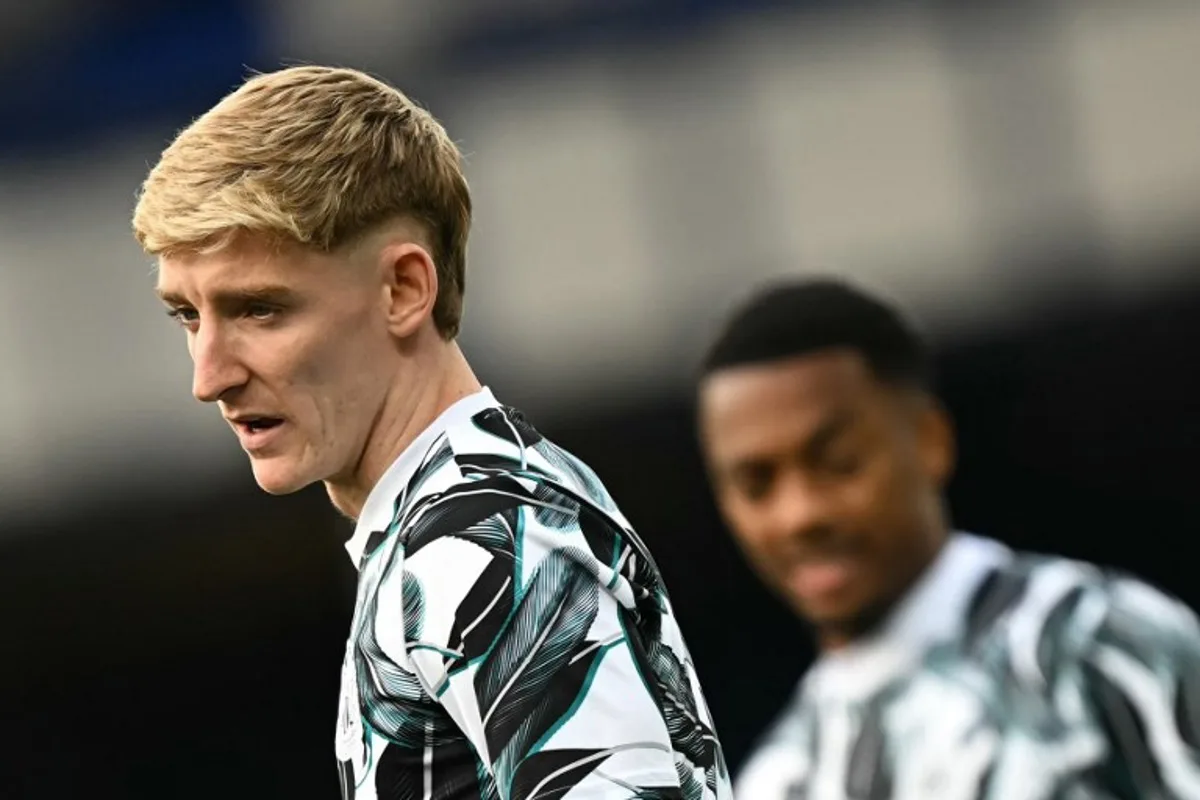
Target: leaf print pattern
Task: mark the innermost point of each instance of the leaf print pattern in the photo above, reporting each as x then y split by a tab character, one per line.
530	618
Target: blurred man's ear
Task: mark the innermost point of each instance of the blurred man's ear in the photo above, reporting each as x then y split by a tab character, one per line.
937	448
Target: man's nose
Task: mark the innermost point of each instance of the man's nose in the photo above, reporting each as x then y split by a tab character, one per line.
215	368
800	508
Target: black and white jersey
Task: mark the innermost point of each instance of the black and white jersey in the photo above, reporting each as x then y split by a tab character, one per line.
512	637
1002	676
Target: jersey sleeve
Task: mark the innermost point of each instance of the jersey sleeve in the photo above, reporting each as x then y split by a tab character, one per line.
523	640
1141	675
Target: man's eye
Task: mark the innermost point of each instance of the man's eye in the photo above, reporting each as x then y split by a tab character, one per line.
186	317
261	311
755	484
844	465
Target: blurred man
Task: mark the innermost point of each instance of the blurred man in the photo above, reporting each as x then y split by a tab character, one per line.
511	637
950	667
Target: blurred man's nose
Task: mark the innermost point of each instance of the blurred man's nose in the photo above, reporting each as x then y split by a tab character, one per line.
800	507
215	369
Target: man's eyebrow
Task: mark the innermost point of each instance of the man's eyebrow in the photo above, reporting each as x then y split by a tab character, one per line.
829	430
812	447
269	293
171	298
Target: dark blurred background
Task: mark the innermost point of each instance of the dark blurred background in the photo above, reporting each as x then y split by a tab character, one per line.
1025	176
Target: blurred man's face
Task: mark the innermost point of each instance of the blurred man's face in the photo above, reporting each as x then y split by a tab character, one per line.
292	346
829	480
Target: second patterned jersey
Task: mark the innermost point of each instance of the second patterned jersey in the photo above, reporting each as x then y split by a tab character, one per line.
1002	676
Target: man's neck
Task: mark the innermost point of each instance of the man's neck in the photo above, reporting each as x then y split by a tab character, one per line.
410	408
872	619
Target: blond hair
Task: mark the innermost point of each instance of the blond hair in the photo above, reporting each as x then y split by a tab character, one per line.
318	156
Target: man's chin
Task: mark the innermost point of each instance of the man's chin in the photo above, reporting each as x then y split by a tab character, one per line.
278	479
845	623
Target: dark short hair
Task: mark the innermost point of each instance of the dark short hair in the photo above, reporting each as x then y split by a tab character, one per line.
799	317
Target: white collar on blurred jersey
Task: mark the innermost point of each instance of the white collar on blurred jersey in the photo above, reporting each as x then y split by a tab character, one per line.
933	611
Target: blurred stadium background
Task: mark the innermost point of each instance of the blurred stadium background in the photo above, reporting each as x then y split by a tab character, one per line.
1025	175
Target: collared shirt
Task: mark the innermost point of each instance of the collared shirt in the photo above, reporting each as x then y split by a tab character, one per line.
1000	675
512	637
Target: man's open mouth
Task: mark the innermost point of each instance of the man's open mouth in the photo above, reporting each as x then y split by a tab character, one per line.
259	424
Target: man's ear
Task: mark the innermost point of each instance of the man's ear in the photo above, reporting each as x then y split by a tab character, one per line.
937	448
410	285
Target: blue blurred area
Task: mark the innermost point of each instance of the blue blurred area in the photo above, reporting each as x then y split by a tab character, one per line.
121	65
132	65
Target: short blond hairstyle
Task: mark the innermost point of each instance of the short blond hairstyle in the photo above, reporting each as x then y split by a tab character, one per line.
318	156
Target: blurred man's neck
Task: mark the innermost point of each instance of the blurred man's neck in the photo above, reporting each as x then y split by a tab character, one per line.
411	407
872	619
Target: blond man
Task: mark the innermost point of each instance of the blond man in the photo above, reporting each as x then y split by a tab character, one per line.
512	637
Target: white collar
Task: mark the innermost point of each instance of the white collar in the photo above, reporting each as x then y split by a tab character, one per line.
933	611
377	511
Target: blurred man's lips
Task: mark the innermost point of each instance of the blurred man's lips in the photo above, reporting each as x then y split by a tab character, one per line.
815	578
